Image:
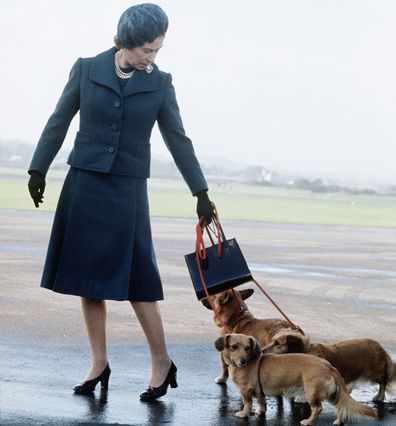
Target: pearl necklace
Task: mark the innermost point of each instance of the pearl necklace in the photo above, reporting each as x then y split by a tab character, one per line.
120	73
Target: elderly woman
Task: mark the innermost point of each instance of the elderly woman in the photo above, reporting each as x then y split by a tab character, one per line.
100	246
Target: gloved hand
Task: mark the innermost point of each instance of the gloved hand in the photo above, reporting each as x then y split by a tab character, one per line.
204	206
36	187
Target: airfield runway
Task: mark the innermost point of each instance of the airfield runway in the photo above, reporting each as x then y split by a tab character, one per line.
335	282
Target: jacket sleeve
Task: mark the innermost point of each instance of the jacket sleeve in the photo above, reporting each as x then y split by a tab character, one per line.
54	132
180	146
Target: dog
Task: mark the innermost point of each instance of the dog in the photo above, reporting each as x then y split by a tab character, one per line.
258	375
237	318
356	360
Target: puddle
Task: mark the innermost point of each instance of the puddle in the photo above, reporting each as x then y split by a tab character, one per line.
321	271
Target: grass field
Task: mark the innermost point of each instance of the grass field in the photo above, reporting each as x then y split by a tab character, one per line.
240	202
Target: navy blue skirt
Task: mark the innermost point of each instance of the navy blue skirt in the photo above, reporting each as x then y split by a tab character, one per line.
100	245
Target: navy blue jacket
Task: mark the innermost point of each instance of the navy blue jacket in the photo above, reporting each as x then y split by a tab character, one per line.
115	125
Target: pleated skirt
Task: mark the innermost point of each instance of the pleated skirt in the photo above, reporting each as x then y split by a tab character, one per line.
101	245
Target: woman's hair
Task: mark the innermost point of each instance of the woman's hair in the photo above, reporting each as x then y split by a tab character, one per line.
140	24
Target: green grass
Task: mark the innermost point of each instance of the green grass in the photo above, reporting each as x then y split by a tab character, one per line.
244	202
240	202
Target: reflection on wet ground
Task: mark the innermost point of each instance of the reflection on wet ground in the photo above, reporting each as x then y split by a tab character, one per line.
96	405
36	390
331	274
321	271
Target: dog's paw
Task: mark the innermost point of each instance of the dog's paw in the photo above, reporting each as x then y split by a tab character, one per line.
241	414
221	380
305	422
337	422
260	410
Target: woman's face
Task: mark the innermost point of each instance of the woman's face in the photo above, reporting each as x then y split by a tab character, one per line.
141	56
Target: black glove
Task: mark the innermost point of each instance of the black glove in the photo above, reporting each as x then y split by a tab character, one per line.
204	206
36	187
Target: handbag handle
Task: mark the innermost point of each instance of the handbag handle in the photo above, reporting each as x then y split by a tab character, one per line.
217	232
219	229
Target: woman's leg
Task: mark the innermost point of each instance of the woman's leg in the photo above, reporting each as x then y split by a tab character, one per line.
95	320
149	316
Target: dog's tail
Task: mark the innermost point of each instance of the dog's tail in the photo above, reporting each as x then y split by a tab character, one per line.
347	408
391	376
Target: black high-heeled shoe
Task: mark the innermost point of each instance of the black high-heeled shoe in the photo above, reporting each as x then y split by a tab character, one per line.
89	386
152	393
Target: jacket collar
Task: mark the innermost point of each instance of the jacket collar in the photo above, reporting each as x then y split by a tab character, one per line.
102	72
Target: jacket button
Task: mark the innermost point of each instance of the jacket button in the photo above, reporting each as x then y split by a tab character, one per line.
111	149
117	104
114	126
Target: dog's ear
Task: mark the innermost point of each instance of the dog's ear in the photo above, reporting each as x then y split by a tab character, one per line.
220	343
267	348
255	345
295	344
246	293
223	298
206	303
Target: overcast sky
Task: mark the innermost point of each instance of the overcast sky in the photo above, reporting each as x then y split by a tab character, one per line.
304	85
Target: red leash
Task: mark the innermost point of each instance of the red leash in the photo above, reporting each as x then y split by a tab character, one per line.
294	326
200	252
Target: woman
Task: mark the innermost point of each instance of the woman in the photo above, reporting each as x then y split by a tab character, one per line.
100	246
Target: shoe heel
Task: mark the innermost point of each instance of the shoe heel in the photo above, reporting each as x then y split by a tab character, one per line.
105	381
105	384
173	382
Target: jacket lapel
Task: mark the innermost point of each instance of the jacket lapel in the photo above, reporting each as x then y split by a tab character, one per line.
103	72
142	81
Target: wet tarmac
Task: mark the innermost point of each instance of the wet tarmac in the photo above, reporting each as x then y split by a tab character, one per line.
36	384
335	282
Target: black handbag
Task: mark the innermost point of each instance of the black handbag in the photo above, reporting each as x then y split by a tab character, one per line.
219	267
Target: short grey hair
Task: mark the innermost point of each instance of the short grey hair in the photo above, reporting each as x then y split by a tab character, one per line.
141	24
